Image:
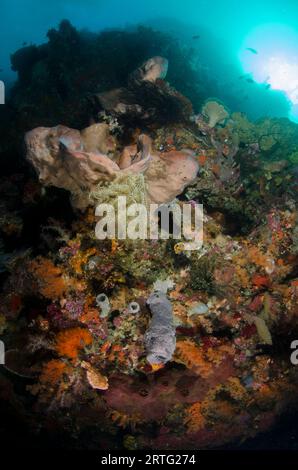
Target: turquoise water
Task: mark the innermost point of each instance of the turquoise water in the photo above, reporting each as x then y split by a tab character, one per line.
221	32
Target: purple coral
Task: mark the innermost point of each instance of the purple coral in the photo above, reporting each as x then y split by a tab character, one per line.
74	308
55	314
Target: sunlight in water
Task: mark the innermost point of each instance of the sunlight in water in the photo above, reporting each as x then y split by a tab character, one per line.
269	55
283	75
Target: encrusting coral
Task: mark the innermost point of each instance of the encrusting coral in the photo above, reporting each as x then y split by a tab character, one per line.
48	278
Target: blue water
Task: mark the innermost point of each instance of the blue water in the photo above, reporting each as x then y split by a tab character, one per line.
226	29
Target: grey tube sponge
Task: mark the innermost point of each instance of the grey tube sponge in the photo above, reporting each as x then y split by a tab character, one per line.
133	307
160	338
102	301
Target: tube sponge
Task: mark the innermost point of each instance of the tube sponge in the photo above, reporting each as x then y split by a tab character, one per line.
160	339
133	307
102	301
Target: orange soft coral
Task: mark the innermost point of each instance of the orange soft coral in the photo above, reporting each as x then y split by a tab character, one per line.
125	421
48	278
194	419
192	356
80	259
52	372
242	277
235	389
217	354
69	342
256	257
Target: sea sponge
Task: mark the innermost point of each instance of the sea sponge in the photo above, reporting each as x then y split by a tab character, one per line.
214	112
263	330
63	158
102	301
97	380
160	338
59	157
97	138
180	168
153	69
169	173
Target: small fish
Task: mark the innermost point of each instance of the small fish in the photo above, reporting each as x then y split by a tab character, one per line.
197	36
25	43
250	80
253	51
267	86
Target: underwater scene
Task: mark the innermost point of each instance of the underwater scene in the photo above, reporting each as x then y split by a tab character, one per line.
149	225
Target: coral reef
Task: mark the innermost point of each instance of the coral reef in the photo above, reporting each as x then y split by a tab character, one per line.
142	343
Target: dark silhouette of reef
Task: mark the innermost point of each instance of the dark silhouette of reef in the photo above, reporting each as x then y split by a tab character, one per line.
54	77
